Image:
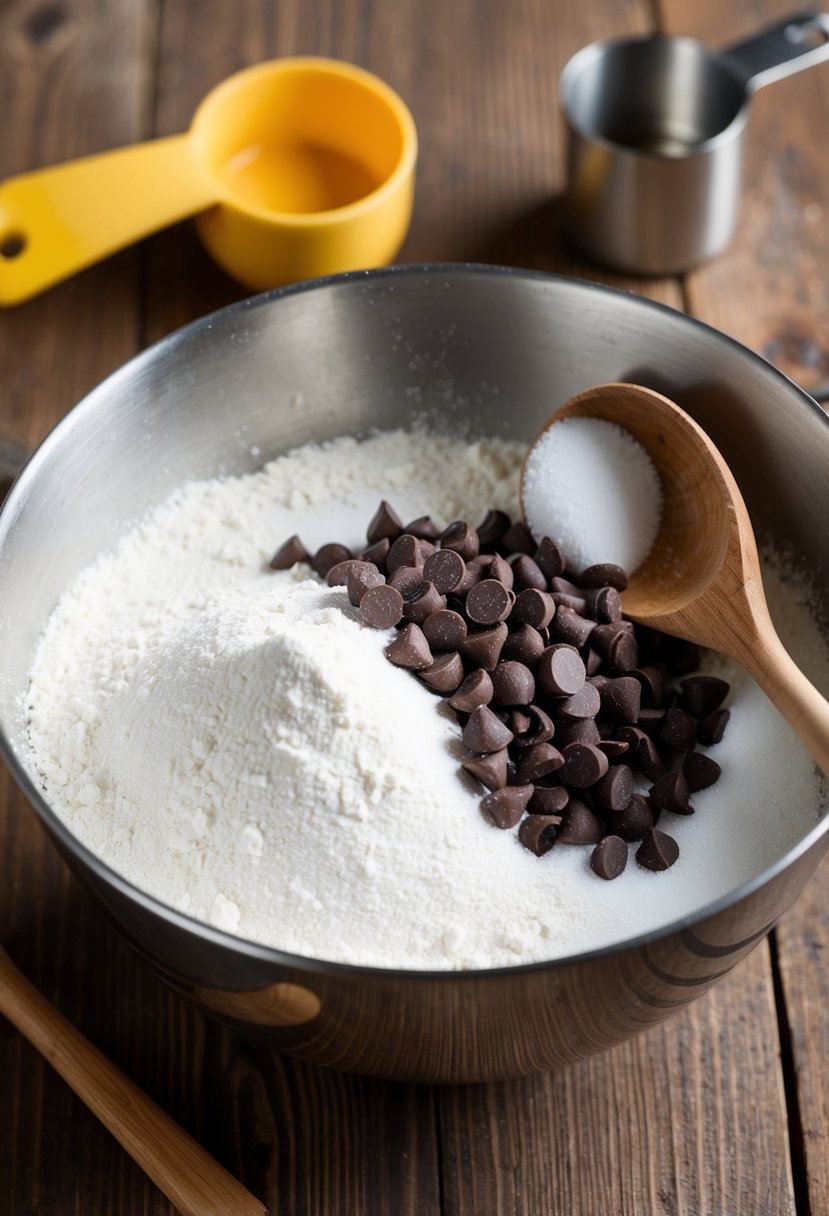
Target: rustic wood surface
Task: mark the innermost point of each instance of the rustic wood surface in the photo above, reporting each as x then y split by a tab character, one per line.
723	1109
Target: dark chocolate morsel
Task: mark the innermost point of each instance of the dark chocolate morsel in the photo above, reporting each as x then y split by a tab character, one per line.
361	576
406	579
575	603
658	851
385	523
534	607
541	727
445	675
609	857
490	770
635	820
484	732
604	574
579	730
593	663
421	601
492	528
582	704
476	690
337	576
711	729
561	671
424	528
472	575
701	695
536	761
506	806
445	629
700	771
512	683
613	748
584	765
489	602
517	539
621	699
670	793
446	569
377	553
289	553
607	605
409	649
548	558
460	537
549	800
614	790
624	653
519	723
382	607
653	686
525	645
405	551
578	824
538	833
501	569
327	556
526	573
484	648
679	729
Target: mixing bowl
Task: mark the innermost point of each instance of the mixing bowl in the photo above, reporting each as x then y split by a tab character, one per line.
489	349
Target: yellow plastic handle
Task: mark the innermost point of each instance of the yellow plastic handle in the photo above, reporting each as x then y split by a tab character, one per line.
54	222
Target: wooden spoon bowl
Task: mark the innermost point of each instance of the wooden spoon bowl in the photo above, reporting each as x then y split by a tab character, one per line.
701	580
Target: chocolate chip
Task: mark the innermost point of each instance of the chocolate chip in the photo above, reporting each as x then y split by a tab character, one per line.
582	704
424	528
534	607
621	699
484	648
444	629
576	603
607	605
476	690
377	553
492	528
679	729
328	556
425	548
385	523
560	671
484	732
581	730
670	793
614	790
540	729
513	684
525	645
445	569
651	720
603	636
635	820
472	575
537	761
548	800
421	601
506	806
538	833
526	573
519	723
649	759
604	574
445	675
548	558
653	685
488	602
409	649
404	552
570	626
517	539
658	851
593	662
405	579
381	607
563	586
337	576
490	770
361	576
613	748
502	570
460	537
584	765
702	695
578	824
609	857
711	729
700	771
289	553
624	653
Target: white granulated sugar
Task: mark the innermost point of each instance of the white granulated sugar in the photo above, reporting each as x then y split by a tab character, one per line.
591	486
234	741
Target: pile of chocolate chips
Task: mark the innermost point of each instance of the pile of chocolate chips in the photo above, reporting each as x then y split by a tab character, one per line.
563	703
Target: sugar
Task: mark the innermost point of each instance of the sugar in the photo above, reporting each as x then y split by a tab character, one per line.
593	488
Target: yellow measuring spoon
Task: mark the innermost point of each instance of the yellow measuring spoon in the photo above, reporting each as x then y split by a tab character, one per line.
295	168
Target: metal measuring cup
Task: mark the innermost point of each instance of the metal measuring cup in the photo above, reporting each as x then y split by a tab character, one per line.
655	139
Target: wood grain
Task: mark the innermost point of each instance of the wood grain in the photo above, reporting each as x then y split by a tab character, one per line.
690	1119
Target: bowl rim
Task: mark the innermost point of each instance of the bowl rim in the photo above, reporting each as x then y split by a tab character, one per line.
103	872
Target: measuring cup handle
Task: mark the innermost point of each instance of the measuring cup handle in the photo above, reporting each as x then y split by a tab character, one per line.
54	222
791	45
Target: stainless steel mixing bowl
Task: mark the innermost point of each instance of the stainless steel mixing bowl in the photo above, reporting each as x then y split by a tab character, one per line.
494	350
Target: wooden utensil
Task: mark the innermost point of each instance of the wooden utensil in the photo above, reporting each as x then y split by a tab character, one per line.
190	1178
701	580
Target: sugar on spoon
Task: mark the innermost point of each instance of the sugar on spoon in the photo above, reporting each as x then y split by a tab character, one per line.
195	1183
701	580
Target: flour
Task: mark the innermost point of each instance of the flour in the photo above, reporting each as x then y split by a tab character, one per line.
234	742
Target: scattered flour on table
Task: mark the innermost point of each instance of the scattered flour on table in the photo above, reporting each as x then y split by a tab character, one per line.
234	741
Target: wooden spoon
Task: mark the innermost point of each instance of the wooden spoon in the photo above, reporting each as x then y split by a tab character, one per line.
701	580
190	1178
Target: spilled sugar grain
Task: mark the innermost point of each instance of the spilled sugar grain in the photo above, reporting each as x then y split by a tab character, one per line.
235	742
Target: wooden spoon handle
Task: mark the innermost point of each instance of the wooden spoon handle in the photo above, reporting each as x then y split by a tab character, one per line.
190	1178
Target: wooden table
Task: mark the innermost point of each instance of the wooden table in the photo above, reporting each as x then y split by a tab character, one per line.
721	1110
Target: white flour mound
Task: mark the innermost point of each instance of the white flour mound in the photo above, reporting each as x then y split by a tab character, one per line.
234	741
